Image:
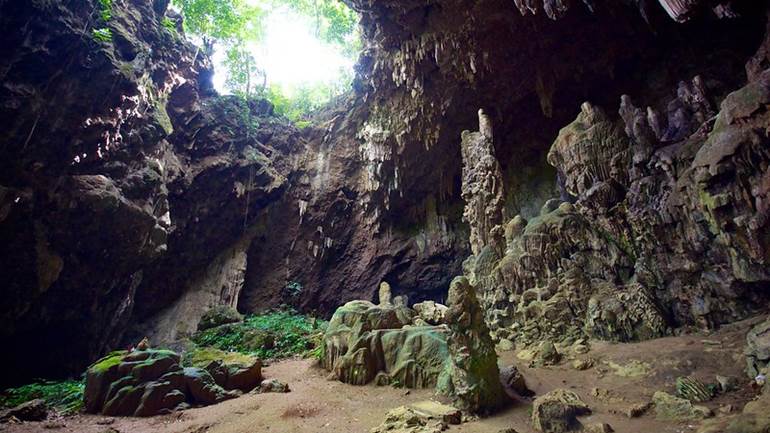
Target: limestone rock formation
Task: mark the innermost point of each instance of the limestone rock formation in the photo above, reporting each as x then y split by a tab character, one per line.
219	315
471	378
669	407
366	342
122	171
33	410
431	312
150	382
482	187
651	209
754	418
758	350
557	411
405	419
133	198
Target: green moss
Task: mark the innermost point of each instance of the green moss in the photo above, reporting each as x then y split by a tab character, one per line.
109	361
203	356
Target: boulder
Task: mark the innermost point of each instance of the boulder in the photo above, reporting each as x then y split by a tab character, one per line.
33	410
693	389
557	411
513	381
546	354
273	385
431	312
203	389
151	382
404	419
669	407
755	418
219	315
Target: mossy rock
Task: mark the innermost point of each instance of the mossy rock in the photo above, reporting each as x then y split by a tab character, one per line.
219	315
151	382
203	356
366	342
672	408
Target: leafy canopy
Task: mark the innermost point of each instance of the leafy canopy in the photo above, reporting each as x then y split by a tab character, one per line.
234	25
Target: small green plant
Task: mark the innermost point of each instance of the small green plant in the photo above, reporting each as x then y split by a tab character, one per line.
302	124
64	396
105	10
102	35
293	289
168	24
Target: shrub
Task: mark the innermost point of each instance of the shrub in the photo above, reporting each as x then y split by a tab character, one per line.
64	396
278	334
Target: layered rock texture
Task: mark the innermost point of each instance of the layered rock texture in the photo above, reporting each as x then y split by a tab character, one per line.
133	198
151	382
390	345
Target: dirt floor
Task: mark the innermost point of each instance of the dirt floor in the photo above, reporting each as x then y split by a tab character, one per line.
317	404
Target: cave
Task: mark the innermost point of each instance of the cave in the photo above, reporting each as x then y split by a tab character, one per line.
569	194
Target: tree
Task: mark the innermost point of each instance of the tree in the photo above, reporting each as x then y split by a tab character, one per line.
233	25
244	77
228	21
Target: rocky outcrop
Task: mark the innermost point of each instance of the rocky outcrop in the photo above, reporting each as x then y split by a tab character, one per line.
377	343
150	382
660	232
121	172
669	407
758	350
366	342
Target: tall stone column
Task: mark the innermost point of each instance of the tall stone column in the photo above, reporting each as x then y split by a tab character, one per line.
482	187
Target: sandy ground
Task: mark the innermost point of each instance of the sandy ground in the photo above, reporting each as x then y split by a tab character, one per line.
317	404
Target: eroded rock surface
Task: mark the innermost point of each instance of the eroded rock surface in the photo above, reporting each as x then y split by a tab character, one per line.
151	382
471	378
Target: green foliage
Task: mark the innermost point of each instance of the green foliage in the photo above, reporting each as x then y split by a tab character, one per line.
235	24
64	396
105	10
168	24
226	21
298	103
293	288
278	334
334	22
102	35
244	78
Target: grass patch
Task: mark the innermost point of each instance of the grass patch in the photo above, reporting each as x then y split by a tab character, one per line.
64	396
274	335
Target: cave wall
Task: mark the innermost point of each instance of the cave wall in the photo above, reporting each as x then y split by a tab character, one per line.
123	177
133	198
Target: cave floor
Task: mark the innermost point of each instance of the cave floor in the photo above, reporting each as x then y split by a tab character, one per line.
317	404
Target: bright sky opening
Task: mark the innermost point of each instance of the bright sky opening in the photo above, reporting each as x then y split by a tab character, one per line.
291	54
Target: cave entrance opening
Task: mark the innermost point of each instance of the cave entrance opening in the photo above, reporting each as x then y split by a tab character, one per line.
299	54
